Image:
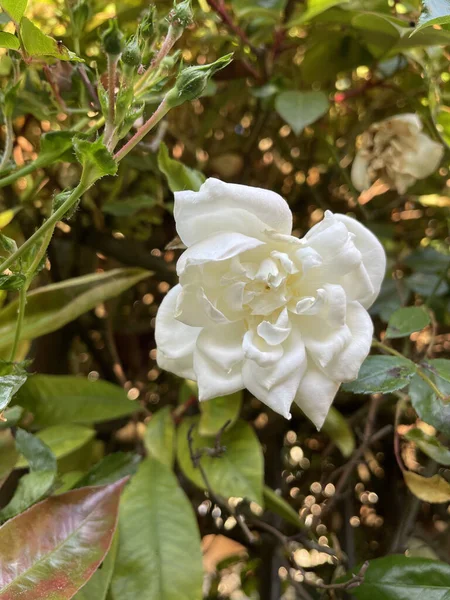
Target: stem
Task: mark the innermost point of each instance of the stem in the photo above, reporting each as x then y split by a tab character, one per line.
112	67
20	318
21	173
8	143
169	41
385	348
159	113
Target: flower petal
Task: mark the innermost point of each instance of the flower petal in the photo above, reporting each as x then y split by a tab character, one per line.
372	253
315	394
360	173
276	386
195	309
175	341
218	360
425	158
345	366
219	206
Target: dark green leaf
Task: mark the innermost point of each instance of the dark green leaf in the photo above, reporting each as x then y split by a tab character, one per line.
381	374
52	306
215	413
95	155
111	468
279	506
429	445
38	454
397	577
427	404
60	399
237	472
407	320
56	145
12	282
426	283
428	260
10	385
159	437
11	417
37	43
14	8
339	431
179	177
8	40
8	453
159	556
300	109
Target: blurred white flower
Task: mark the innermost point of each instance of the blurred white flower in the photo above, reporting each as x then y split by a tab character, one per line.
397	152
257	308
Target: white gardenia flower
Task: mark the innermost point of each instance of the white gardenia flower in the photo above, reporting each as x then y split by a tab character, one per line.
397	152
258	308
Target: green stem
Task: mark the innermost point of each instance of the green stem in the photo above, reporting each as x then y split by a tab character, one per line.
385	348
8	142
32	166
20	318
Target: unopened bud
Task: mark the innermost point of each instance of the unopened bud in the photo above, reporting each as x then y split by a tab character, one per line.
7	244
181	15
80	15
131	55
191	82
112	39
148	24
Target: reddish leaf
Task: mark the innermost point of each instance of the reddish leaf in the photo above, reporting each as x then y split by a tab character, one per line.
53	548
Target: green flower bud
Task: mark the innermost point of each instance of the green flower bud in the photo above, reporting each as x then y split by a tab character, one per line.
191	82
131	56
80	15
7	244
112	39
181	15
148	24
59	200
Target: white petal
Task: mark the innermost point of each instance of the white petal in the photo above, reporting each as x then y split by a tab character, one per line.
410	119
372	253
256	349
195	309
425	159
219	206
218	247
218	360
275	333
346	364
360	173
175	341
322	341
315	394
276	386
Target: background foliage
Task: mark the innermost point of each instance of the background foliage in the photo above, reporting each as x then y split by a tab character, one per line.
226	499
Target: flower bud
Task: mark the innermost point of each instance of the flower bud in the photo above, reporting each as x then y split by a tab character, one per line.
191	82
7	244
148	24
112	39
131	55
181	15
80	15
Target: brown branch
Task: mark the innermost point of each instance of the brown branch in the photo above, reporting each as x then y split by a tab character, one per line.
219	7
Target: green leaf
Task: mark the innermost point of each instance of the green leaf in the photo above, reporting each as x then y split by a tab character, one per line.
435	12
62	440
159	437
37	43
8	453
435	489
338	430
238	472
382	374
300	109
258	8
14	8
62	399
12	282
397	577
51	307
71	535
407	320
111	468
313	9
56	145
11	416
129	206
97	586
37	484
429	445
10	385
179	177
279	506
215	413
96	157
159	556
8	40
426	403
425	283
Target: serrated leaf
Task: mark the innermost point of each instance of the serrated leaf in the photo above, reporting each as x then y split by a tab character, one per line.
398	577
300	109
215	413
157	530
14	8
179	177
426	403
382	374
111	468
338	430
429	489
159	437
37	43
8	40
405	321
238	472
72	534
278	505
429	445
96	157
56	145
51	307
62	399
62	440
10	385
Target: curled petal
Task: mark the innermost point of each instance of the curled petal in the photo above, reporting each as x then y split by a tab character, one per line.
360	173
219	206
315	394
425	158
275	333
256	349
175	341
195	309
323	342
